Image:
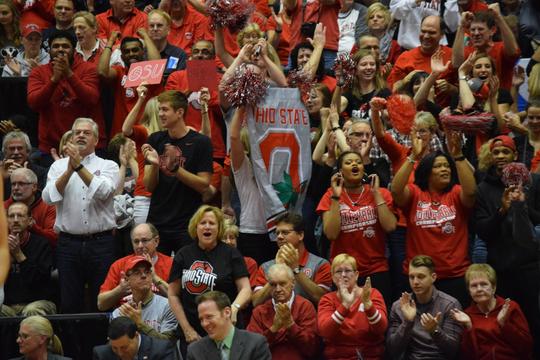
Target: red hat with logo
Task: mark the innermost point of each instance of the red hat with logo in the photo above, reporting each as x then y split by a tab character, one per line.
30	28
134	261
506	141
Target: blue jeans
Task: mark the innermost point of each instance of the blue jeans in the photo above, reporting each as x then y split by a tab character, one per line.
329	57
82	262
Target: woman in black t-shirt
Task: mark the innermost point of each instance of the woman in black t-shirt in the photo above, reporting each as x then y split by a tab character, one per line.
206	265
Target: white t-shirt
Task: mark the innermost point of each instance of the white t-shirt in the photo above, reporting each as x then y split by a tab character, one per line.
347	25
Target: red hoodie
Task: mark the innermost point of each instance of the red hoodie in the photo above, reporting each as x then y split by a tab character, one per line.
487	340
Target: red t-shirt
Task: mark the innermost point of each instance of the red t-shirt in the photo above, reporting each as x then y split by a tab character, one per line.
140	135
415	59
290	34
328	16
503	63
252	268
40	13
476	6
194	28
437	226
107	23
361	234
125	99
323	277
178	80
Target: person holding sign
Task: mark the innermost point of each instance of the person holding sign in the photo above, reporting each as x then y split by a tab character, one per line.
178	171
357	214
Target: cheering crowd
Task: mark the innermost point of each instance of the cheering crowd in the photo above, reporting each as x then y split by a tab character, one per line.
419	232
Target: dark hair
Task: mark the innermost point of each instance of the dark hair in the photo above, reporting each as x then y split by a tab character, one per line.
176	99
443	28
533	102
129	39
221	299
410	85
342	156
294	59
423	260
484	17
121	326
63	34
293	219
423	171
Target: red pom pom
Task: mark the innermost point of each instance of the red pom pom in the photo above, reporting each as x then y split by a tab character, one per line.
232	14
302	80
468	123
515	174
402	111
345	69
245	87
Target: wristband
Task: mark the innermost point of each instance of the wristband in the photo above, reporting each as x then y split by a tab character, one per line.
381	203
411	160
78	168
236	305
459	158
336	128
296	270
334	197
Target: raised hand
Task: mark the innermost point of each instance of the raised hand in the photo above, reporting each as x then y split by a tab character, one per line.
417	144
502	316
437	63
150	154
455	144
408	306
493	84
290	255
319	36
430	322
366	294
347	297
467	65
337	182
377	103
462	318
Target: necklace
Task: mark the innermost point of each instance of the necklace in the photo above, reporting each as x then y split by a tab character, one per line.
355	203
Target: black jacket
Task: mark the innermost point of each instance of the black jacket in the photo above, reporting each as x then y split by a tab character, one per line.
510	238
150	349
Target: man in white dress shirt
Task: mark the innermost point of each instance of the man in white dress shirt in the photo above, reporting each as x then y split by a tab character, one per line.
81	186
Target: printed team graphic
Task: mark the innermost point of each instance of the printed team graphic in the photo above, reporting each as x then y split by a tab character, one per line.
426	216
199	278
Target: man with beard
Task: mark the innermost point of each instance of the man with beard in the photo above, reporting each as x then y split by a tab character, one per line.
63	90
25	189
16	147
132	51
481	27
145	240
505	219
81	186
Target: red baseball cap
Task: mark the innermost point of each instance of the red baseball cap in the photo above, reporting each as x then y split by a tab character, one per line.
30	28
134	261
506	141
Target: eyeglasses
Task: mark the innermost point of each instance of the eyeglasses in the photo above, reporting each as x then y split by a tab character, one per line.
344	272
284	232
142	241
20	184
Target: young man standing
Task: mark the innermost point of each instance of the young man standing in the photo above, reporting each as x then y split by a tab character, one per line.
178	172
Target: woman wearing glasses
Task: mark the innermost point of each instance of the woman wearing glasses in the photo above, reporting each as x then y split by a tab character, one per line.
357	214
352	320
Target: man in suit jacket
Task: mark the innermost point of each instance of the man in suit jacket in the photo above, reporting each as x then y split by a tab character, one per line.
224	341
125	343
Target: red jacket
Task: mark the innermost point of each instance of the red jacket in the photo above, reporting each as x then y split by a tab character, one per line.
44	217
298	342
348	331
61	103
487	340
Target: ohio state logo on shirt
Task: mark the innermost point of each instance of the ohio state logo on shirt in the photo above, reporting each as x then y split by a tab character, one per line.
199	278
426	216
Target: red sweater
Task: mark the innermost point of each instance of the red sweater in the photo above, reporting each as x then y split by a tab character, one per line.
347	331
44	217
487	340
298	342
58	104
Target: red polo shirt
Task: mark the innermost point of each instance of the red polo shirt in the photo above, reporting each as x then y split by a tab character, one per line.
107	23
194	28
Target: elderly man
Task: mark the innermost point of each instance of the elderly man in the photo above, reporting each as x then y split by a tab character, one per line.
126	343
145	240
82	186
159	27
27	286
312	273
123	17
150	312
16	147
24	185
420	325
224	341
288	321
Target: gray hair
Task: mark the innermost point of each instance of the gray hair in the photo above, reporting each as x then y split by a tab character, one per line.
277	268
95	128
16	134
151	227
356	121
28	174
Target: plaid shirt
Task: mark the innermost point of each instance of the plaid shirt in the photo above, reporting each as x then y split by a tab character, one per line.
376	152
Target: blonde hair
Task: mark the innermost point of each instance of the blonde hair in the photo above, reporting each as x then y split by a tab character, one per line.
477	270
64	140
196	218
229	227
150	118
379	80
534	82
43	327
88	17
343	259
485	159
163	14
426	118
376	7
249	28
